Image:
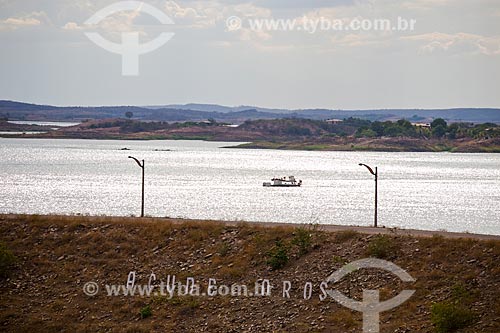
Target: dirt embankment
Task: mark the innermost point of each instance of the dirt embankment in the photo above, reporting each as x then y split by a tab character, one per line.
57	256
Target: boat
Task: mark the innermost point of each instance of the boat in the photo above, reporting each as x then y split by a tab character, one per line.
283	182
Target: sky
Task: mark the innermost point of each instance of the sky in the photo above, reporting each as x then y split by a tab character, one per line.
218	55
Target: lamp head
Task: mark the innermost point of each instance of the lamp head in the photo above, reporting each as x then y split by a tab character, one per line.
369	169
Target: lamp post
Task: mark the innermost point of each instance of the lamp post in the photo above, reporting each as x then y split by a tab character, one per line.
374	173
142	167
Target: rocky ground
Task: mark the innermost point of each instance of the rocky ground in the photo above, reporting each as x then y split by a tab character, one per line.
43	291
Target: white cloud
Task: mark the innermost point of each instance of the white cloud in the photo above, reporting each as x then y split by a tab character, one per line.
113	26
249	10
201	15
177	11
20	22
72	26
357	40
30	20
424	4
246	34
456	43
208	14
212	15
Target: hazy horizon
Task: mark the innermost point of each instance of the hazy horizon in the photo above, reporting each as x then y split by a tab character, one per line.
238	106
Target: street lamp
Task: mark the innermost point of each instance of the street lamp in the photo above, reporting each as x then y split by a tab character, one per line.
375	173
142	167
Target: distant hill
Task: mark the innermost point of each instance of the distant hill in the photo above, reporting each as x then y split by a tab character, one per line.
216	108
196	112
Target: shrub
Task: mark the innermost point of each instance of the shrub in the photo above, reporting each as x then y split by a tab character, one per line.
382	247
7	259
303	240
297	131
439	122
439	131
365	132
278	256
224	249
459	292
448	317
145	312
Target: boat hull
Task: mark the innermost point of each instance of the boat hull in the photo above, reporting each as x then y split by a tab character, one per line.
283	182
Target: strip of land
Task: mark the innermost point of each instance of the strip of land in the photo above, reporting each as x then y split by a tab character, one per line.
324	227
294	134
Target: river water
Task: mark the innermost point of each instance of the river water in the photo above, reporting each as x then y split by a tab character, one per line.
202	180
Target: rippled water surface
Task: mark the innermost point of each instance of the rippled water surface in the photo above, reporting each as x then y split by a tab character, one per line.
433	191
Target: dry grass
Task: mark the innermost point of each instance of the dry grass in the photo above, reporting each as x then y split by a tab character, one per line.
57	255
346	235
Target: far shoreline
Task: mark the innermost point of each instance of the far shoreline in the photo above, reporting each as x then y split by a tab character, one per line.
286	134
268	145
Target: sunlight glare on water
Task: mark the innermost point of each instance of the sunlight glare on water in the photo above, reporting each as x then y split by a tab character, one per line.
200	180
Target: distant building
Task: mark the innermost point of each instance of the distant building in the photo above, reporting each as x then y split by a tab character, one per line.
424	125
334	121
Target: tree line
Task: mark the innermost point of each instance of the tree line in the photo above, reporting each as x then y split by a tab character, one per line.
439	128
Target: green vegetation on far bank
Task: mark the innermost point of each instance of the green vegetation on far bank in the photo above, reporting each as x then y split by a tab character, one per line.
377	145
350	134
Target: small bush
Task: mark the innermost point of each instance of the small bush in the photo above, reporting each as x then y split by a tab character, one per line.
145	312
448	317
303	240
278	256
224	249
339	260
7	259
382	247
459	292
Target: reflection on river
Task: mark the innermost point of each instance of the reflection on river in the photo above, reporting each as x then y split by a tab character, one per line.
193	179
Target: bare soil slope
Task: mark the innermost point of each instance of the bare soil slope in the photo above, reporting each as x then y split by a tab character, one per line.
56	256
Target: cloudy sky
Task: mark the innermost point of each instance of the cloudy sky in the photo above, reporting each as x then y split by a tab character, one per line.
450	59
